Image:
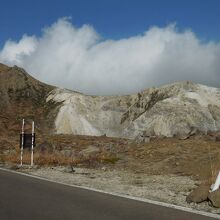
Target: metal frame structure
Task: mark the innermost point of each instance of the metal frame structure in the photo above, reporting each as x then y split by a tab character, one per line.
32	142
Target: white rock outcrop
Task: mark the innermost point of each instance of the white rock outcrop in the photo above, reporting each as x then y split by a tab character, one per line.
175	109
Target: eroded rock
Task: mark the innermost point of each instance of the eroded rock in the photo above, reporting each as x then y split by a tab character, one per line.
214	198
199	194
182	108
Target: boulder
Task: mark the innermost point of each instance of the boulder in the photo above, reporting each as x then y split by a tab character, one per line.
199	194
214	198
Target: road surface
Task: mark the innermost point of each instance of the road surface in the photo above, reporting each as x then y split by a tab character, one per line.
27	198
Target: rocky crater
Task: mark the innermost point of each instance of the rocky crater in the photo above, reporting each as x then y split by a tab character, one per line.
178	109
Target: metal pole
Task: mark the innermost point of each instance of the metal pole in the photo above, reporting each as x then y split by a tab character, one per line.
22	141
32	145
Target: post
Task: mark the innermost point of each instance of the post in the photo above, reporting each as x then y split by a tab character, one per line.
217	183
32	145
22	141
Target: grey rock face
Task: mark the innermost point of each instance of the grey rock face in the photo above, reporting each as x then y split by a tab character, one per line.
214	198
178	109
198	195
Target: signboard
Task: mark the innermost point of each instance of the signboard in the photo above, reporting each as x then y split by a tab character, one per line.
27	141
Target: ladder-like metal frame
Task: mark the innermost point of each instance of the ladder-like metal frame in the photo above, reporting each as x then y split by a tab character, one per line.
32	143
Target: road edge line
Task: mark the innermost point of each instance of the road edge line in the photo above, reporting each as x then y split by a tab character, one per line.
168	205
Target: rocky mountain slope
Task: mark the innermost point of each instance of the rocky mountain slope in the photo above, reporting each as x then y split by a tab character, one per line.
22	96
181	108
178	109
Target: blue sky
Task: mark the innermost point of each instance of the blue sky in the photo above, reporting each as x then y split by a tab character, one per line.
112	46
111	18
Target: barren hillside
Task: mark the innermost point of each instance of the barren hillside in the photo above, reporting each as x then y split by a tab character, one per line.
179	109
175	130
22	96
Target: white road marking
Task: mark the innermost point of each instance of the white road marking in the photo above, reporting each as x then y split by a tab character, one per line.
121	195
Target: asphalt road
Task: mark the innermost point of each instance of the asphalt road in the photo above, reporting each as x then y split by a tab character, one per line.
23	197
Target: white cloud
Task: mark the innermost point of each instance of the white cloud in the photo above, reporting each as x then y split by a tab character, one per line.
14	52
77	58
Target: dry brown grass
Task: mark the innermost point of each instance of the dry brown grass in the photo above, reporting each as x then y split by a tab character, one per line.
214	168
58	159
197	157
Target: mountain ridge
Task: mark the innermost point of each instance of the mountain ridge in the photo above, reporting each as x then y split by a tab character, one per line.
175	109
22	96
